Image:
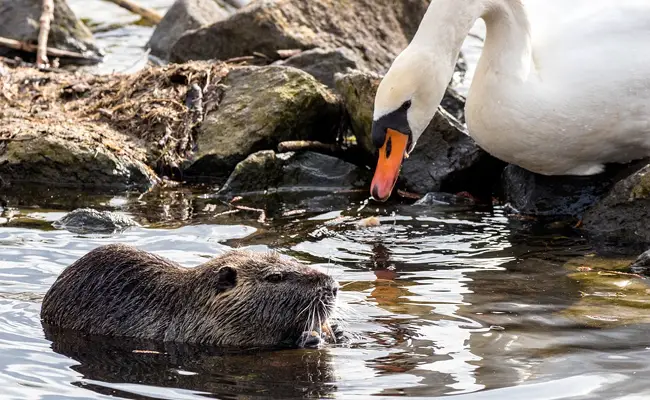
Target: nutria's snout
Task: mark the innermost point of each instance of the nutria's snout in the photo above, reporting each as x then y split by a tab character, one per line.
238	299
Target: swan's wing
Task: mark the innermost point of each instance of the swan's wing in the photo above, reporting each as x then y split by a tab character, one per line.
591	37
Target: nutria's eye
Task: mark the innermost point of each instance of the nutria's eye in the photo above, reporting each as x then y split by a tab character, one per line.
274	277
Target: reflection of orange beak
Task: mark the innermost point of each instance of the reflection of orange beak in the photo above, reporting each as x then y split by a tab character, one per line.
391	155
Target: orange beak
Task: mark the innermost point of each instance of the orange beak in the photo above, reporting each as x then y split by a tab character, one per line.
391	155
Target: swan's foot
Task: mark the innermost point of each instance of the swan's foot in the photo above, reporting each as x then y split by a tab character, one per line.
586	170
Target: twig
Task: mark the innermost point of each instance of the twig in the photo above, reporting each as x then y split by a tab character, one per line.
44	32
305	145
30	48
239	59
262	217
146	13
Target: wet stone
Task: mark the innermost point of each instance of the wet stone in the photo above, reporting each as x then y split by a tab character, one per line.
89	220
304	171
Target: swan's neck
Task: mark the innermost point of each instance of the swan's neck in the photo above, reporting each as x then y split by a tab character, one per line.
507	51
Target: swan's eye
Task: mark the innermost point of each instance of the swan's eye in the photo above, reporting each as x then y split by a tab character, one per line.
406	105
274	277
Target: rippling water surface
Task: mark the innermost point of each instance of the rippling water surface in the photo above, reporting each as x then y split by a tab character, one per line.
442	301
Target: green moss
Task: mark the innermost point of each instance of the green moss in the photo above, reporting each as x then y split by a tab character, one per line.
642	189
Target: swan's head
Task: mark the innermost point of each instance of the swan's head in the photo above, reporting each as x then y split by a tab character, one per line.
406	101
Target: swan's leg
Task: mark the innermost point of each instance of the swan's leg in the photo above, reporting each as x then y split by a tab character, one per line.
585	170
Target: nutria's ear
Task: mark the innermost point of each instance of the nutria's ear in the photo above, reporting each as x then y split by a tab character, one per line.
226	278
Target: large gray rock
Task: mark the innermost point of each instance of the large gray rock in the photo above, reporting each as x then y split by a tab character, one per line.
620	221
89	220
19	20
266	170
374	30
261	107
323	64
185	15
445	157
64	154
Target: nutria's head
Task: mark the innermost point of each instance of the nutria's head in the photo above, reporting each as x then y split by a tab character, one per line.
252	299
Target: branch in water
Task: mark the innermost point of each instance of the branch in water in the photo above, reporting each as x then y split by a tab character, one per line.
46	17
146	13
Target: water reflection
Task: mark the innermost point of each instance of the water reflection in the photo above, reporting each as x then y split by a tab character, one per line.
440	301
111	364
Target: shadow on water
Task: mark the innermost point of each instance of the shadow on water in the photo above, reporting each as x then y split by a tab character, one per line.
109	366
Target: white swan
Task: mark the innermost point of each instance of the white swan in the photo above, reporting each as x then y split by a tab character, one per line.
561	88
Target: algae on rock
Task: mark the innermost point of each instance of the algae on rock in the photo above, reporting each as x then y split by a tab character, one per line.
261	107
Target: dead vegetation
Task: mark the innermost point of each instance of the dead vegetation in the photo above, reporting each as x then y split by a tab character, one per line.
158	106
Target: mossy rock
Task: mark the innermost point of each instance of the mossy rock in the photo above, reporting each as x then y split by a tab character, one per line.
261	107
75	156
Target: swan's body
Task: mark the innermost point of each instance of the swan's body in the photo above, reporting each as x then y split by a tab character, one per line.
561	88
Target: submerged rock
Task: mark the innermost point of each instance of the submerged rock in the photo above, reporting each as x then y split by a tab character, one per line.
89	220
323	64
445	157
260	107
309	171
619	221
183	16
19	20
374	30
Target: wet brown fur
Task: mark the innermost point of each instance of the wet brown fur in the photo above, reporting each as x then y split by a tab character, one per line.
239	299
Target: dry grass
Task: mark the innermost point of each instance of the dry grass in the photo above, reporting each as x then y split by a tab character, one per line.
148	106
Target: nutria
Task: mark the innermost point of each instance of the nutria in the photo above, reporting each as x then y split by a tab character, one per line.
239	299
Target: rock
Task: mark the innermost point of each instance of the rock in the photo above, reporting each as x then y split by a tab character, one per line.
63	154
445	158
308	171
261	107
357	90
619	221
19	20
641	265
374	30
557	196
88	220
323	64
182	16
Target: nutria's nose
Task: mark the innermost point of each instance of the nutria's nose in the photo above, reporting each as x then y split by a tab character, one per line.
332	290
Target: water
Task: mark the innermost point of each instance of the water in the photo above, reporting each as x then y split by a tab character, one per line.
466	303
